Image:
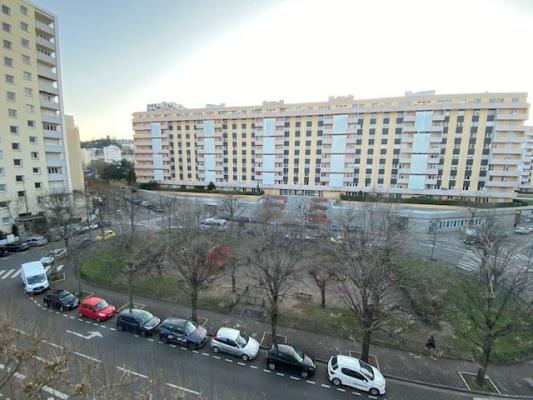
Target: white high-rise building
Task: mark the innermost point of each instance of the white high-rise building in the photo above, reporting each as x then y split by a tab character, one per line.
112	153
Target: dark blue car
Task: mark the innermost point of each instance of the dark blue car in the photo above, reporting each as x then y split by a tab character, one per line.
182	331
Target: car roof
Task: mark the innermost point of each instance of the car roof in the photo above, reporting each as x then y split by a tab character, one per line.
228	333
175	321
61	291
350	362
284	348
32	267
92	300
134	312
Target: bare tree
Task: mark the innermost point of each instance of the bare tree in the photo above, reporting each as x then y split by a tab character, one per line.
198	260
299	215
169	207
322	273
231	206
268	214
274	269
62	210
434	233
494	304
365	268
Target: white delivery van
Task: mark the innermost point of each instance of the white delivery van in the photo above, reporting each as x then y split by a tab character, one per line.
34	277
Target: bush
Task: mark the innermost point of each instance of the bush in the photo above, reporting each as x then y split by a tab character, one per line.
152	185
211	186
431	201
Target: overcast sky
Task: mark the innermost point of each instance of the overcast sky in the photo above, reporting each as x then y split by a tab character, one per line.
117	55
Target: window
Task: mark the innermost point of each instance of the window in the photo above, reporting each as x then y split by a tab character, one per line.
26	75
2	171
15	146
24	10
26	59
6	10
17	162
24	26
8	62
3	188
21	193
38	185
34	155
31	124
12	113
6	27
33	139
29	108
19	178
25	43
8	45
14	130
36	170
11	96
28	92
10	79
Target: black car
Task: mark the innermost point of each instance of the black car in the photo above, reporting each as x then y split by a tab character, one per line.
182	331
61	300
140	322
291	359
4	252
17	246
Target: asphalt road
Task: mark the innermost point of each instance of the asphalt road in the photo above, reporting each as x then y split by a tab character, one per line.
167	369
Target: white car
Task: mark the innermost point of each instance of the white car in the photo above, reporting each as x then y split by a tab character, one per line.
233	341
36	241
55	254
350	371
523	230
214	222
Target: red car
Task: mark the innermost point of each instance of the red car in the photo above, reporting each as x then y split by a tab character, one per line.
96	308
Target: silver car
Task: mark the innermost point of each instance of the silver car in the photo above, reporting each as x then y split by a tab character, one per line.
36	241
233	341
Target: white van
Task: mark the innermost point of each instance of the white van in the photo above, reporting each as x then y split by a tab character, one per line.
34	277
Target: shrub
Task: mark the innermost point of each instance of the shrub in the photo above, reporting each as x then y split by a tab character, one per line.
152	185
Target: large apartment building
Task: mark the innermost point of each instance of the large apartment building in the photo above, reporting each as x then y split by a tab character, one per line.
461	146
526	168
33	145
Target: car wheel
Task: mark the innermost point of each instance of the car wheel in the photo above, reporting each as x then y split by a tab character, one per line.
336	382
271	366
373	392
304	374
216	349
245	357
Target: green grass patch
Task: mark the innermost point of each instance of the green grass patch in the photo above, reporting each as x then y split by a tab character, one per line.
432	201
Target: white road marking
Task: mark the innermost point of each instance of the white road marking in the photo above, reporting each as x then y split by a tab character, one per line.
2	273
205	354
65	315
279	374
372	397
267	370
89	336
71	317
79	319
17	273
311	382
40	359
341	390
46	389
47	269
8	273
129	371
326	386
228	360
294	377
60	267
183	389
150	339
195	351
113	329
172	345
183	348
217	357
356	393
240	363
51	344
87	357
253	366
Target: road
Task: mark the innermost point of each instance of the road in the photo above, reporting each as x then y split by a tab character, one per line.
168	369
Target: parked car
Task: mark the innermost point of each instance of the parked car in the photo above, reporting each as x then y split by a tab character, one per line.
96	308
4	252
61	300
236	342
108	234
36	241
52	255
350	371
182	331
291	359
213	222
144	203
16	247
34	277
137	321
523	230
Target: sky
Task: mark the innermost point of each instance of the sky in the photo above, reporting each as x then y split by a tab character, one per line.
119	55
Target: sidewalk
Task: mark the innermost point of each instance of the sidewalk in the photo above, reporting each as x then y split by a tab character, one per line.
510	379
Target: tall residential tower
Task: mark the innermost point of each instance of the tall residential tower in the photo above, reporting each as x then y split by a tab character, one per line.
461	146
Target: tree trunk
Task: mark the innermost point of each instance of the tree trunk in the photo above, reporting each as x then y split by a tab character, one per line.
323	296
485	360
365	349
274	324
233	281
130	289
194	306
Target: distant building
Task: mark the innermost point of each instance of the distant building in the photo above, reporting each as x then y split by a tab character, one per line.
112	154
74	154
163	106
526	178
85	158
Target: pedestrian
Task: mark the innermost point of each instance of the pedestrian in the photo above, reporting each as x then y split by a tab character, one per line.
431	344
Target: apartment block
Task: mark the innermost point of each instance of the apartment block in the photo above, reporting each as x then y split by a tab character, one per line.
526	169
75	159
460	146
33	145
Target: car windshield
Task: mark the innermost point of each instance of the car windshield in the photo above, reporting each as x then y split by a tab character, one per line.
36	279
144	317
299	354
367	370
67	296
189	327
242	339
100	306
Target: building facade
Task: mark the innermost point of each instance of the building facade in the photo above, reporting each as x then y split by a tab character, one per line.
465	146
33	144
75	158
112	153
526	169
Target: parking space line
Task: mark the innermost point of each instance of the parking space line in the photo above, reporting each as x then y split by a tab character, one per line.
228	360
294	377
87	357
195	351
205	354
150	339
217	357
325	386
279	374
129	371
183	348
183	389
356	393
65	315
113	329
311	382
79	319
267	370
172	345
240	363
253	366
372	397
341	390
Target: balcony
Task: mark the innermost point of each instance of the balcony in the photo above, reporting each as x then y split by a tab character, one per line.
48	88
52	119
52	105
46	59
46	73
50	148
504	173
510	128
47	44
507	139
55	163
511	117
515	150
56	177
409	118
44	27
499	161
52	134
507	184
